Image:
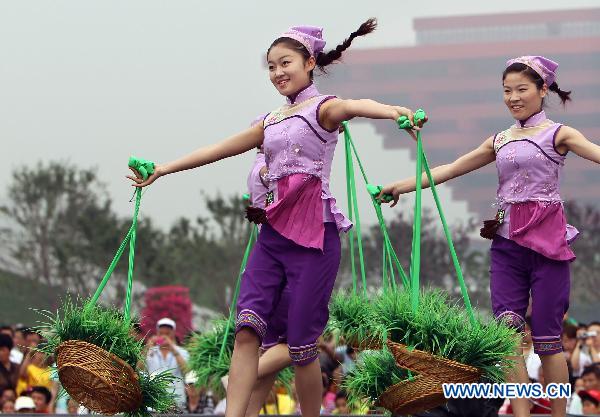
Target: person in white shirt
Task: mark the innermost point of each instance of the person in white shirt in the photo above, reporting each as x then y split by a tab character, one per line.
165	354
585	352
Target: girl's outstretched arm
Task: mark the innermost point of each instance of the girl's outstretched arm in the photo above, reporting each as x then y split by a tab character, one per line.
335	111
471	161
234	145
569	139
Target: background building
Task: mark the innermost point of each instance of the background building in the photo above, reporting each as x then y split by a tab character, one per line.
454	73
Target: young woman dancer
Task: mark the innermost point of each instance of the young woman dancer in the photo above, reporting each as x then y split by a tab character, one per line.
530	250
299	244
275	356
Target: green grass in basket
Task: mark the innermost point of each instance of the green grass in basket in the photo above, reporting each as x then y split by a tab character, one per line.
443	328
106	327
351	317
375	371
204	359
204	349
440	327
99	325
157	393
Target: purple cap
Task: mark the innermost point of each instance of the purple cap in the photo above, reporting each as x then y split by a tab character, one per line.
546	68
309	36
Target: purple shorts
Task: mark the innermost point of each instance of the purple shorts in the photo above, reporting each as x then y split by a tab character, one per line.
277	328
276	263
517	272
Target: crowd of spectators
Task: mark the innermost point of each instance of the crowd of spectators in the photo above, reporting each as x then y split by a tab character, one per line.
28	383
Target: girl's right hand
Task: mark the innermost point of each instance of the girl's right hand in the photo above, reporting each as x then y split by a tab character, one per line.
138	180
392	189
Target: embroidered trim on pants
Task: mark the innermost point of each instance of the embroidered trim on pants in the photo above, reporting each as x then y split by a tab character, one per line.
248	318
303	355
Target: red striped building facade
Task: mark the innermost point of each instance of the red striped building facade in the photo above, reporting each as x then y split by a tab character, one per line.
454	73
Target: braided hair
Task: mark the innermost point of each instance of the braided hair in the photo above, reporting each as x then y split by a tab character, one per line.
324	59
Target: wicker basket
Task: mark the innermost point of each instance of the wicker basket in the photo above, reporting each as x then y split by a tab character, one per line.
410	397
424	392
365	344
98	379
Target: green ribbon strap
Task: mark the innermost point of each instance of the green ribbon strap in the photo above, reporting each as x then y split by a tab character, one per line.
145	168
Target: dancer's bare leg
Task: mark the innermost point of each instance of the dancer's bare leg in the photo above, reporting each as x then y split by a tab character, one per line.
309	387
519	375
274	360
270	364
259	394
556	371
242	372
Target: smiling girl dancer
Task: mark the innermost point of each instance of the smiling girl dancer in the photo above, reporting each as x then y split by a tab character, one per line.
530	250
299	245
275	356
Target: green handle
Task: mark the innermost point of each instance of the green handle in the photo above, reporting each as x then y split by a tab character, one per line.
375	190
404	123
143	166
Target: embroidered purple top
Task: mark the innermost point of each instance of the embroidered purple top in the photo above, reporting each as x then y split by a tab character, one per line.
299	153
529	168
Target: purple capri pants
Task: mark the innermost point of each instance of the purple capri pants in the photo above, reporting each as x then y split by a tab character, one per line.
517	272
277	328
309	274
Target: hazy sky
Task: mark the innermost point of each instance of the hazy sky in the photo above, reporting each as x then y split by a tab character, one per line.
93	82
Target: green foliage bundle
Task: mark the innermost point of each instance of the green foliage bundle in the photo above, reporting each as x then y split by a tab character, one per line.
106	327
438	326
351	317
208	363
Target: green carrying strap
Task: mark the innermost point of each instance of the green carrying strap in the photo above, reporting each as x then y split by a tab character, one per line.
251	241
354	216
422	164
389	258
144	168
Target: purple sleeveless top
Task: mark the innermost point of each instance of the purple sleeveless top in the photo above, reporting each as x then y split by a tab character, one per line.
299	153
529	169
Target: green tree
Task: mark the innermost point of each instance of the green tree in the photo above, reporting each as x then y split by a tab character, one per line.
61	224
204	254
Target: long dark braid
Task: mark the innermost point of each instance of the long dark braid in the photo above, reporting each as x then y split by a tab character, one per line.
326	58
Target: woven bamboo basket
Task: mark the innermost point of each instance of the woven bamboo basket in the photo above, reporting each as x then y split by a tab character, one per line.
98	379
424	392
410	397
365	344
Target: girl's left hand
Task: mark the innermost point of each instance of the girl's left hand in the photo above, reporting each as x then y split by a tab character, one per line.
398	111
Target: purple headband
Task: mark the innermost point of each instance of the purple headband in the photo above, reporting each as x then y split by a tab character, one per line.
546	68
310	37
